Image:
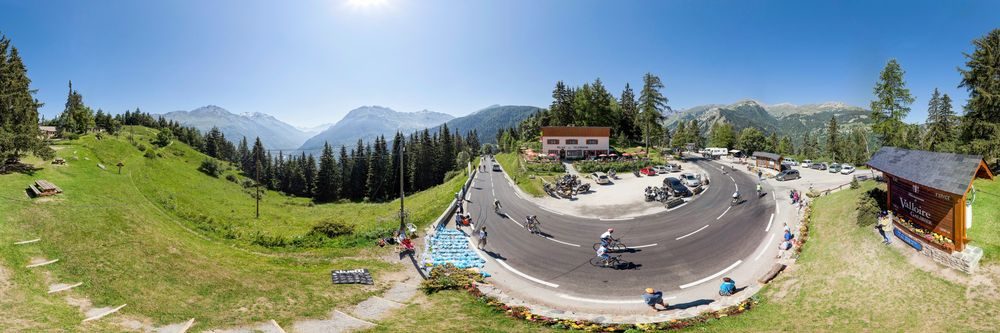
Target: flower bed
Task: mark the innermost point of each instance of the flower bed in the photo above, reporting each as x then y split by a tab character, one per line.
931	237
618	166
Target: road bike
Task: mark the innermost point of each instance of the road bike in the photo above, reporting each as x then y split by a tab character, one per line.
532	226
614	245
612	262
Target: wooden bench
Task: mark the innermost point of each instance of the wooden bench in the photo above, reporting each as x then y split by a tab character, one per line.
772	273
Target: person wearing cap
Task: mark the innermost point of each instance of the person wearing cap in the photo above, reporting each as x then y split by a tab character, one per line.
728	287
652	297
606	237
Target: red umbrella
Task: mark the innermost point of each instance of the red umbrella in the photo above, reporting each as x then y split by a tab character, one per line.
613	155
603	155
552	155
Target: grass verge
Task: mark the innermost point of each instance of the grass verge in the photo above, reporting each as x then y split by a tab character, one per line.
529	183
985	231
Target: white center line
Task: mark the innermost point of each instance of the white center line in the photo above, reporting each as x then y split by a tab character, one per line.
526	276
769	223
606	301
561	242
685	286
700	229
723	213
618	219
642	246
515	221
769	240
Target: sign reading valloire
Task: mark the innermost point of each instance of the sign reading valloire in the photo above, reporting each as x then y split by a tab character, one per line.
924	206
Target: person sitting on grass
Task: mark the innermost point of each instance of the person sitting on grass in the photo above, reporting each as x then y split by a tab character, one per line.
728	287
653	297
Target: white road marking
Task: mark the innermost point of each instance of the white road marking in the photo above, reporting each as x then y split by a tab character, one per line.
618	219
275	324
769	240
560	242
101	315
606	301
515	221
723	213
769	223
186	326
696	231
692	284
642	246
526	276
28	241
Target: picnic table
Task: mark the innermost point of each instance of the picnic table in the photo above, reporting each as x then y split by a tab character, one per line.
43	188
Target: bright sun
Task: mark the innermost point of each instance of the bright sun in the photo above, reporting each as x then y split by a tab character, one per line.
366	3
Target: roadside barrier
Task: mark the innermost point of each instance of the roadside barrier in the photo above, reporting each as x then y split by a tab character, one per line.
449	246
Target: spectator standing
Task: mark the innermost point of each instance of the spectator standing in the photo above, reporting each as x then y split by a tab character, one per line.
881	226
482	239
653	297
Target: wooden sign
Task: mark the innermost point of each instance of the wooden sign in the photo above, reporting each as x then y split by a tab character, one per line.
930	208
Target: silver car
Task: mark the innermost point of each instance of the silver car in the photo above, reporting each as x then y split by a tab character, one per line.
690	180
600	178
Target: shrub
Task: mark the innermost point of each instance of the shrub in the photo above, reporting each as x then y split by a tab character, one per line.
210	167
449	277
545	167
163	138
452	174
150	154
602	166
141	147
45	153
854	183
232	178
69	135
868	209
331	229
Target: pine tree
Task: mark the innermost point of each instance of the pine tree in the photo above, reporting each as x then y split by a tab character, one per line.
19	132
833	139
243	153
785	146
752	140
326	177
342	178
891	105
940	123
652	103
562	105
377	171
629	120
981	123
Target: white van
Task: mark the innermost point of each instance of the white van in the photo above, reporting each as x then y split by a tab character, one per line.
717	151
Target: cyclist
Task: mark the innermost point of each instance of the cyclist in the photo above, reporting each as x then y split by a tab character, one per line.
602	252
759	189
531	222
606	237
496	205
736	196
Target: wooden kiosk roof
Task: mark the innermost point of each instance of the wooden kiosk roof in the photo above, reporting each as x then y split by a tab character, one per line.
952	173
770	156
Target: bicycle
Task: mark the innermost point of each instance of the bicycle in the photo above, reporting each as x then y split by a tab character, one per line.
611	262
736	200
532	226
614	245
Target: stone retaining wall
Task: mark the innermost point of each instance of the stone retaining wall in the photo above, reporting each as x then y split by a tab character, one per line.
966	261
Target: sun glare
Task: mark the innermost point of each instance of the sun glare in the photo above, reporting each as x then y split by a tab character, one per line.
366	3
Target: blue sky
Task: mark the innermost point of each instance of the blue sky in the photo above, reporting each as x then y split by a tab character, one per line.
309	62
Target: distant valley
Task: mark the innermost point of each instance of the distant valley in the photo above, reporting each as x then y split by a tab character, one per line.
784	119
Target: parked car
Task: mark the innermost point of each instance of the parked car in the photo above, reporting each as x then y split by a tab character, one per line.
806	163
676	188
788	175
660	169
791	162
648	171
834	168
819	166
600	178
690	179
673	167
847	169
496	167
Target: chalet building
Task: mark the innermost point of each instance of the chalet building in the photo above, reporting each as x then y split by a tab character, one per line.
570	142
767	160
48	132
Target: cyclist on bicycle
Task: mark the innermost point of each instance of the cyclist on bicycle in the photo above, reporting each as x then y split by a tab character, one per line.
759	189
736	196
531	222
606	238
496	204
602	252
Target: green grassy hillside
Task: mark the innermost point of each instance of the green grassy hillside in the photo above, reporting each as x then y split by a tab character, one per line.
174	243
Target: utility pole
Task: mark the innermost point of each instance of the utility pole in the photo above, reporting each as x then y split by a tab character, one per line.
402	218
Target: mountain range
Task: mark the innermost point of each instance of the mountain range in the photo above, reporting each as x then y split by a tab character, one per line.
368	122
487	122
274	133
783	119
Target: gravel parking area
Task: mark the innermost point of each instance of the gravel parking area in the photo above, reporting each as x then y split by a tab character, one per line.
623	198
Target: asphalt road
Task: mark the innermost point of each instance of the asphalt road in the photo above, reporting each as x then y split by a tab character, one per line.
671	248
